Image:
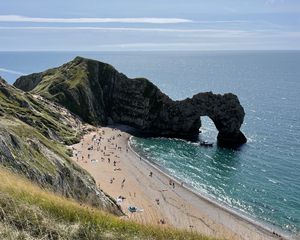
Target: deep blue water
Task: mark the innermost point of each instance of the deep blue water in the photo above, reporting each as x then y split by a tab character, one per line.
262	179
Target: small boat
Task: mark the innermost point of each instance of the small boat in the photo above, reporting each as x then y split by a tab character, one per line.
206	144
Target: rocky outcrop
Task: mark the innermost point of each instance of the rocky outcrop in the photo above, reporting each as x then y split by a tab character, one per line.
32	131
99	94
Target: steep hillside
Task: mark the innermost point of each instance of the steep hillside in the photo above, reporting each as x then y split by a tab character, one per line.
32	134
99	94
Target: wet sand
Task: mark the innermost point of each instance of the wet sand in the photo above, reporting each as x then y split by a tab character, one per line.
160	200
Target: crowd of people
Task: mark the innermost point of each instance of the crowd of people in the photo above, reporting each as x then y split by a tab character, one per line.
88	150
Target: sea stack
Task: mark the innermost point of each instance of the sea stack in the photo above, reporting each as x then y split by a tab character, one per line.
100	95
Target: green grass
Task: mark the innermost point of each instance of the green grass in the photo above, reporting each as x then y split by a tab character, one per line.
29	212
29	154
37	113
25	151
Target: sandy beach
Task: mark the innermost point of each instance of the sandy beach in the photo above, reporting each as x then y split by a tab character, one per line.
158	199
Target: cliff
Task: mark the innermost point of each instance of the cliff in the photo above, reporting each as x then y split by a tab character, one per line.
100	95
33	132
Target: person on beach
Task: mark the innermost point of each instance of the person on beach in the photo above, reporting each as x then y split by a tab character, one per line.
150	174
161	221
122	185
115	163
112	180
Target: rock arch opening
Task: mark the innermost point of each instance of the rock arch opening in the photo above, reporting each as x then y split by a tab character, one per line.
208	131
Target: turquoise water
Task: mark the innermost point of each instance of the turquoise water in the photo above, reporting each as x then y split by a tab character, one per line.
262	179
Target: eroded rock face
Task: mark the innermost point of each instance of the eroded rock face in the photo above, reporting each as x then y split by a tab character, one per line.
99	94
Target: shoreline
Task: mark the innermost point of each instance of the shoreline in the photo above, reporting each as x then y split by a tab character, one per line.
119	171
256	223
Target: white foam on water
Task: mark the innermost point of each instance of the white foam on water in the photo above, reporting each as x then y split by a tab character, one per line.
272	181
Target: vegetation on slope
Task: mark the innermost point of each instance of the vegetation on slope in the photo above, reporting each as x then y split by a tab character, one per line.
28	212
32	133
49	119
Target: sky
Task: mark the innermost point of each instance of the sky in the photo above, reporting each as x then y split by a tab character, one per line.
140	25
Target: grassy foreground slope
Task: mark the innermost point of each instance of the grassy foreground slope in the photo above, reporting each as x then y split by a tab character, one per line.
29	212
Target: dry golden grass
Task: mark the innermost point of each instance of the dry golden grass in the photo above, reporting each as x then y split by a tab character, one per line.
29	212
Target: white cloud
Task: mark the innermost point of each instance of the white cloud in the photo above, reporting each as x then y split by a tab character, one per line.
175	30
17	18
156	46
11	71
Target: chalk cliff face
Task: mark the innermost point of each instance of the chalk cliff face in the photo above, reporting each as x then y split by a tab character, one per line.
99	94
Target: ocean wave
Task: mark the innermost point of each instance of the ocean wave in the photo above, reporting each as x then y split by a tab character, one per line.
272	181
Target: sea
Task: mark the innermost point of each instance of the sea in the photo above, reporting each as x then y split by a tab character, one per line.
261	179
